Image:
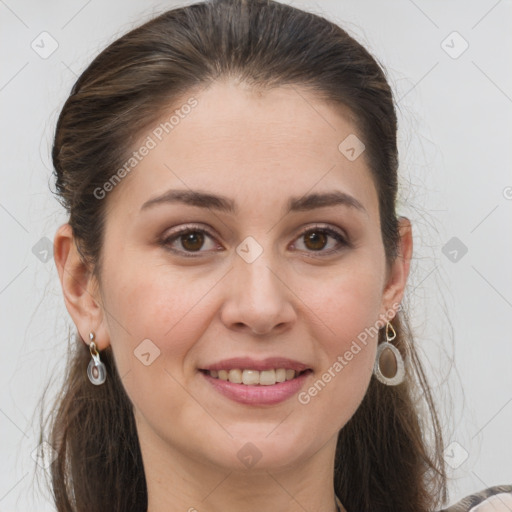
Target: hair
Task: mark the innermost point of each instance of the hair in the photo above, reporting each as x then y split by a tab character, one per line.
383	461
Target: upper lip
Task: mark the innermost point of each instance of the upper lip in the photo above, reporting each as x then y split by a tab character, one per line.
257	364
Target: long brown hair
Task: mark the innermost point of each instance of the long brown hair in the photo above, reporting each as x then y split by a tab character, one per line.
383	461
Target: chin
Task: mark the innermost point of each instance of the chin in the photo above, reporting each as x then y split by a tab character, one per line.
252	451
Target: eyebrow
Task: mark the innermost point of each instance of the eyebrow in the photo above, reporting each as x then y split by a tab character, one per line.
221	203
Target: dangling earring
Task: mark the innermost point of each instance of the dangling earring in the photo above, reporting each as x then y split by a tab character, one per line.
389	365
96	370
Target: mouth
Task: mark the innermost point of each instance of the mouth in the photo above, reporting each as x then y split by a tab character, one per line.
256	387
252	377
257	382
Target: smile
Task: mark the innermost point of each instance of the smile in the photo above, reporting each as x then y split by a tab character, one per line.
257	393
254	377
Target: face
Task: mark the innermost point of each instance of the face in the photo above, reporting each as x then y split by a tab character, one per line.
188	285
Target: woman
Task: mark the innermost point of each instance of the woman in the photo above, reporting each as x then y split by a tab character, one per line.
235	267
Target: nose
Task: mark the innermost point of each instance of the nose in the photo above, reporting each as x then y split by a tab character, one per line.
258	298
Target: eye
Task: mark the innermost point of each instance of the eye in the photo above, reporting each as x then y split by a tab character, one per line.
190	238
316	239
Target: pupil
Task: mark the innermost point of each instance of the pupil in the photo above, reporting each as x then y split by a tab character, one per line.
315	237
189	240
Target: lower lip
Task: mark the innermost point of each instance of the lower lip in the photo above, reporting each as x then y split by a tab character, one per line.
258	395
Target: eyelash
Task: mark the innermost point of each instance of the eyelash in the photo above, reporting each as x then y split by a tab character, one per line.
166	241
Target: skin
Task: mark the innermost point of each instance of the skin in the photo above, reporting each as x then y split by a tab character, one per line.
294	300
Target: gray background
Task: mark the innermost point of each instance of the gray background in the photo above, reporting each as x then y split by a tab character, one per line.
455	109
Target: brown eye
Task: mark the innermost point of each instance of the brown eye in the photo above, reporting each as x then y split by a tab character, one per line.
315	240
188	241
192	241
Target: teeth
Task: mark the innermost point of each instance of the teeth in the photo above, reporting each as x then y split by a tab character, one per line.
254	377
251	377
235	376
280	375
268	377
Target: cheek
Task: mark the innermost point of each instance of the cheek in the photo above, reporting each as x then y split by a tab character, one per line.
152	327
348	303
341	382
148	302
348	308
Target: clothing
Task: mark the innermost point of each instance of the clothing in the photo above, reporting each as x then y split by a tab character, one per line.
492	499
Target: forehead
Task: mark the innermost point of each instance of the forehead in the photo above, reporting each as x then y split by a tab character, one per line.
241	142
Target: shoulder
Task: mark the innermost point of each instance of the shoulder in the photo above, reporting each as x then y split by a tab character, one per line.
492	499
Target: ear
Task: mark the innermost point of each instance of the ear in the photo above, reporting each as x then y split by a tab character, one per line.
398	272
80	288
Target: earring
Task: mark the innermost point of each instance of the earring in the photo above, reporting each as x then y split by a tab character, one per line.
389	366
96	370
